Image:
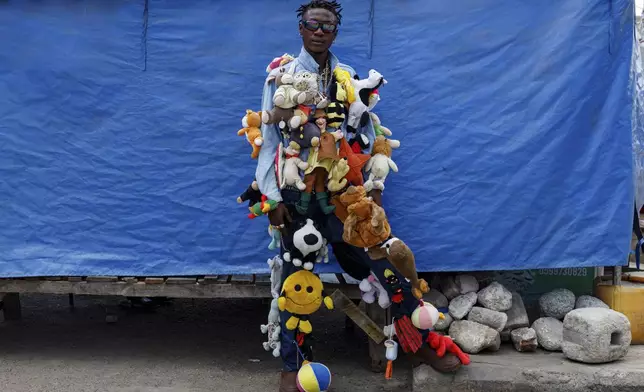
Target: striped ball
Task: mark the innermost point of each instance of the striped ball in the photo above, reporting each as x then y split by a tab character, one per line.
425	316
313	377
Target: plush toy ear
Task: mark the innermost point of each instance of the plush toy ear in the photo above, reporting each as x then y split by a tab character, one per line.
393	143
281	302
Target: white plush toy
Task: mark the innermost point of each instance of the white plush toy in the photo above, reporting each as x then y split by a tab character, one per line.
273	330
292	166
296	89
275	264
371	288
379	164
362	103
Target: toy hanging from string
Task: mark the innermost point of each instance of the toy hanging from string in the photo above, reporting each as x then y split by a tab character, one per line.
312	376
391	352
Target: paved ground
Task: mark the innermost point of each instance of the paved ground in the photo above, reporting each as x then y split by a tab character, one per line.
511	371
191	346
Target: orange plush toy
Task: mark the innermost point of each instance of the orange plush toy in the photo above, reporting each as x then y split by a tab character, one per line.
251	123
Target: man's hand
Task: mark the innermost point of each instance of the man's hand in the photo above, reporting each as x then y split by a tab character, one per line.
279	217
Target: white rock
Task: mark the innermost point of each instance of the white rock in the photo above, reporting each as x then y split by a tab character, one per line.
524	339
473	337
587	301
461	305
557	303
443	325
596	335
495	297
491	318
467	284
436	298
549	333
449	287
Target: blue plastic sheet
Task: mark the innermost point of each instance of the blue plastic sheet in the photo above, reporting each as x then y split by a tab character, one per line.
119	153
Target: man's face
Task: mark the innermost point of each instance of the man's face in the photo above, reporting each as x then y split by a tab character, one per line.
318	28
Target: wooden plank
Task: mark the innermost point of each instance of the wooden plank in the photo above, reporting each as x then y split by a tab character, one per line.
346	305
377	350
102	279
154	280
53	278
174	280
141	289
242	279
263	279
129	279
209	279
74	279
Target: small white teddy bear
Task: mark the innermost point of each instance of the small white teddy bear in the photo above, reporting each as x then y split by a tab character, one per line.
273	330
371	287
292	166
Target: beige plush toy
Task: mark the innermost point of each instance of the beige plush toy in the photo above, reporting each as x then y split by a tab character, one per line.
379	164
296	89
292	166
366	224
337	181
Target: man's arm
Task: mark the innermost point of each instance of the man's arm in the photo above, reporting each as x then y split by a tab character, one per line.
265	172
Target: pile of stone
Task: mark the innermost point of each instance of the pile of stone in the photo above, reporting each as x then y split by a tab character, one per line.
480	319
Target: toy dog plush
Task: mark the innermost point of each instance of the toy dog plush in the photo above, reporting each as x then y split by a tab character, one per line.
305	246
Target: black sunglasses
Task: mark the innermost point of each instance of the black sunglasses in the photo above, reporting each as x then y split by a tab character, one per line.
314	25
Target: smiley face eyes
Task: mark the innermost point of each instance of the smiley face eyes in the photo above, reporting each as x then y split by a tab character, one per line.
298	288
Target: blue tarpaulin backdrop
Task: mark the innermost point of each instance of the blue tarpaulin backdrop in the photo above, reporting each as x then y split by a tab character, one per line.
118	120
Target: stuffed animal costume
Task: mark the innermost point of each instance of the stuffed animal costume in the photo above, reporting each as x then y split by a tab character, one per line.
354	260
251	123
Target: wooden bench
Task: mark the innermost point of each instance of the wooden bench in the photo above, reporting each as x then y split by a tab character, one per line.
346	296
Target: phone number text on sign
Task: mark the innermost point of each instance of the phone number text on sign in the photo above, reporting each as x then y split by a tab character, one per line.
564	271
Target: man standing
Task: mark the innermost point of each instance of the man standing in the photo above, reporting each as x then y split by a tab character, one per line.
319	21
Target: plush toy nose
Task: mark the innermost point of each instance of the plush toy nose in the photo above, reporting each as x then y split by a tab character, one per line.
311	239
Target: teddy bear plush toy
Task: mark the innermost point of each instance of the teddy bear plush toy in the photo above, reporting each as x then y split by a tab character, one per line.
371	288
292	166
273	330
251	123
366	224
379	164
296	89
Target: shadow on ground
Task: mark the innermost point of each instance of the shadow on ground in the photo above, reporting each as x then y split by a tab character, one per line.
190	345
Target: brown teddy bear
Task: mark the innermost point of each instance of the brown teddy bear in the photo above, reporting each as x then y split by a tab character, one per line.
402	258
366	224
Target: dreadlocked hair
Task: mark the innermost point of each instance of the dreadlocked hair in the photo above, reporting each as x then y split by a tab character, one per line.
330	5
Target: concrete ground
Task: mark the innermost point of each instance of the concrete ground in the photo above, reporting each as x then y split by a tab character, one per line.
189	346
541	371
